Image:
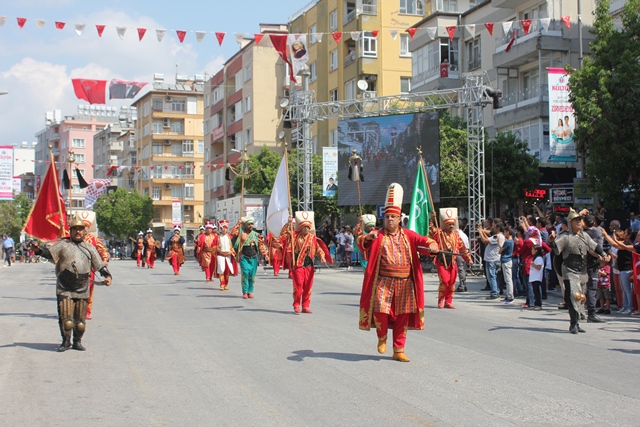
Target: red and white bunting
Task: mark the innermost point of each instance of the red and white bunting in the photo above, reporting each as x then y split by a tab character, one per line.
60	25
258	37
506	27
451	30
79	29
337	35
489	27
200	35
355	35
220	37
394	34
160	34
239	38
566	20
21	22
526	25
544	23
431	32
318	36
374	33
121	31
100	29
3	19
40	23
471	29
412	32
181	34
141	33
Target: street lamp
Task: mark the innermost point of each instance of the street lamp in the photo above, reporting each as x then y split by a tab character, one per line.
3	92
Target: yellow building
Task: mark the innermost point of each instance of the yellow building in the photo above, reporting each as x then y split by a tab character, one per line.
170	151
381	59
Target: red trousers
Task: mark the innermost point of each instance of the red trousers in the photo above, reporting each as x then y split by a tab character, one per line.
151	259
447	286
92	276
140	260
210	271
400	323
277	262
175	264
302	284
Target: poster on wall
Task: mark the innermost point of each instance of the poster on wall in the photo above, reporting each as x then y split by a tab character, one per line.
329	171
561	118
6	172
176	213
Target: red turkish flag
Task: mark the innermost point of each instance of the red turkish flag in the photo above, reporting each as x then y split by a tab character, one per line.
451	31
60	25
258	37
526	25
141	33
514	36
21	22
181	35
220	37
489	27
565	19
337	35
92	91
151	167
280	45
374	33
100	29
412	32
48	218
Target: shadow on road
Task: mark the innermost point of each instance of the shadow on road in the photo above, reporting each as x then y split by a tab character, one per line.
300	355
547	330
33	299
357	294
43	316
625	350
33	345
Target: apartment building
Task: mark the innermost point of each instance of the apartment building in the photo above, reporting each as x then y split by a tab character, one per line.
113	147
381	59
241	111
72	134
169	151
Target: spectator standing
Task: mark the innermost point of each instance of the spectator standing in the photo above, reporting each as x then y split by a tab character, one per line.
604	288
8	246
340	248
163	248
492	256
625	248
506	263
634	222
535	276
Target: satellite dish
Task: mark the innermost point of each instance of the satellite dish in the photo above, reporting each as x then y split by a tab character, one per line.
284	102
363	85
281	135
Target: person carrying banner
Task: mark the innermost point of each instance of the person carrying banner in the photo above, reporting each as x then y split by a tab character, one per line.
225	261
246	244
208	247
176	250
368	223
450	244
150	245
305	246
393	288
274	245
74	259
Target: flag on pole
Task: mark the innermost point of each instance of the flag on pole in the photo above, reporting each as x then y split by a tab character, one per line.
420	204
278	210
48	218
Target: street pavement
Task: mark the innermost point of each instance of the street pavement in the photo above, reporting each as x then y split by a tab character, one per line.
165	350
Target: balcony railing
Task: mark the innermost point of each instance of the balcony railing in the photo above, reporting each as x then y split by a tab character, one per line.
350	58
534	30
371	8
349	17
524	95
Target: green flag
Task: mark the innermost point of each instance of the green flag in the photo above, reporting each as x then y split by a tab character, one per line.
420	205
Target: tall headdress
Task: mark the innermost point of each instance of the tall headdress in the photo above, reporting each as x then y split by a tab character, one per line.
449	216
393	201
305	219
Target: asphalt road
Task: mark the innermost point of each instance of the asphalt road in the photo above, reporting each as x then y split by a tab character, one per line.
165	350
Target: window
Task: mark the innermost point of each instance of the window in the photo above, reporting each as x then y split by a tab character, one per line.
177	127
75	175
404	45
411	7
156	104
350	89
247	136
189	168
145	109
189	191
238	141
405	84
207	100
248	72
368	45
448	5
176	191
238	80
247	103
157	149
145	129
473	54
215	95
333	95
314	71
77	142
201	146
333	60
187	146
75	189
155	192
333	20
238	110
178	105
176	149
145	152
157	126
79	158
312	34
77	203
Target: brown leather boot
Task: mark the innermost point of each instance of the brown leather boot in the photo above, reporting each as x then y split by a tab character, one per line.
382	345
400	357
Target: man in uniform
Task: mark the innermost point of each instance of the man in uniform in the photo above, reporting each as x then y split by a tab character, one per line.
196	242
225	258
246	244
305	246
88	217
274	245
140	249
448	240
208	247
150	245
574	248
74	259
176	250
393	288
368	223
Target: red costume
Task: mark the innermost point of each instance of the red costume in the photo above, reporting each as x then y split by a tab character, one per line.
139	249
274	245
151	250
176	252
208	248
97	243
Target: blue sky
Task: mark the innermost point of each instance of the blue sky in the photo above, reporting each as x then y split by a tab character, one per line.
38	63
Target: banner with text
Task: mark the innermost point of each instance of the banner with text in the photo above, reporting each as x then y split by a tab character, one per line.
176	213
329	171
6	172
561	118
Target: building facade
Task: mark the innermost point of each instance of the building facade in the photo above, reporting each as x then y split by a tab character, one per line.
113	147
169	151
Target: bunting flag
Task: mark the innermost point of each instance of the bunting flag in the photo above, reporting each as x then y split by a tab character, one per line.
566	20
3	19
121	31
200	35
451	30
412	32
160	34
92	91
21	22
431	32
489	27
141	33
318	36
239	38
124	89
337	35
100	29
374	33
506	27
278	209
40	23
79	29
471	29
394	34
526	25
60	25
280	45
544	23
48	218
95	189
258	37
420	204
66	182
181	34
220	37
355	35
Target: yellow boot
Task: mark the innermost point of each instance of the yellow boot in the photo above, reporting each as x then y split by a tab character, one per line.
382	345
400	356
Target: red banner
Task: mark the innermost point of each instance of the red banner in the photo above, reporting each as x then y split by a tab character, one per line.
92	91
489	26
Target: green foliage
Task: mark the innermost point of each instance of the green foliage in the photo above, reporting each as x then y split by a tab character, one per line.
121	214
509	169
453	161
13	215
605	94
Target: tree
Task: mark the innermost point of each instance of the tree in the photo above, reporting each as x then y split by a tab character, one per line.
605	94
121	213
509	169
453	161
13	215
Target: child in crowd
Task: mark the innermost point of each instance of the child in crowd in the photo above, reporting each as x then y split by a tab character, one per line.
604	288
536	275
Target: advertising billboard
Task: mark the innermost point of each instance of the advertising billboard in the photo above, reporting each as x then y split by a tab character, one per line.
561	119
329	171
388	147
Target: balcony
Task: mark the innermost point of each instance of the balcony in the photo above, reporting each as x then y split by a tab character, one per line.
521	105
349	17
54	137
525	47
430	80
350	58
370	8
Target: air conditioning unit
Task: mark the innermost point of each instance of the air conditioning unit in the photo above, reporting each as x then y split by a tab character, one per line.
167	142
286	93
370	77
167	186
166	123
168	99
369	94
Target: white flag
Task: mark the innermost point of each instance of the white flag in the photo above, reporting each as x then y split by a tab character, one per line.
506	27
160	34
80	29
545	23
278	210
471	29
431	31
121	31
